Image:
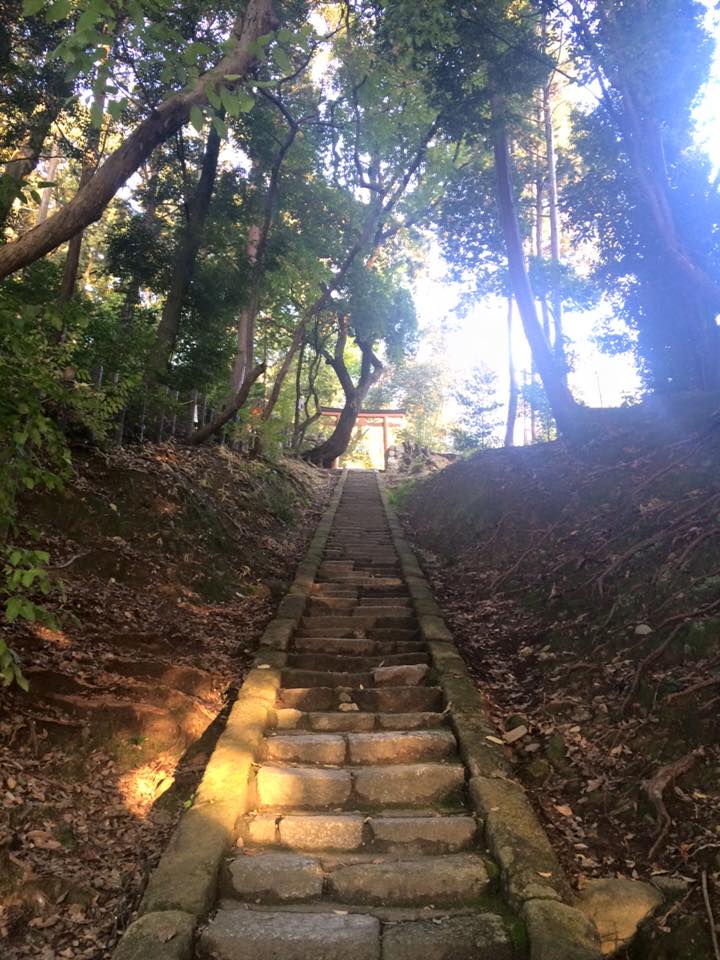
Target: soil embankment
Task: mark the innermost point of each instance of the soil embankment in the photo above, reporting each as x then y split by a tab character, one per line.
583	586
171	561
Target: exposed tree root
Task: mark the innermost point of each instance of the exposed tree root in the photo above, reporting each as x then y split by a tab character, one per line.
655	787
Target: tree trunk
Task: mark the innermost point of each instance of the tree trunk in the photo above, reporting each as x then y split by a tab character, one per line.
298	337
298	393
557	304
229	410
45	196
561	400
22	165
72	259
513	394
88	204
185	259
371	369
337	443
642	136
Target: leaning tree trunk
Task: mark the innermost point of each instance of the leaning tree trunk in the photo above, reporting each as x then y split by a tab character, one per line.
186	257
561	400
337	443
88	204
371	369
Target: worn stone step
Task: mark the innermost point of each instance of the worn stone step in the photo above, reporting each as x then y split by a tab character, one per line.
333	590
408	674
404	835
292	677
320	748
302	787
411	784
452	879
374	700
331	721
334	661
481	936
361	748
282	787
239	934
392	634
356	646
274	877
401	747
329	606
395	617
385	601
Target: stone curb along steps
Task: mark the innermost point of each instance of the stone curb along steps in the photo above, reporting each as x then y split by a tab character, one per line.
354	807
183	886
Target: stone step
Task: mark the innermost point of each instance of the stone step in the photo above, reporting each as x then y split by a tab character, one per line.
401	747
401	835
281	877
437	880
334	661
375	700
406	675
361	748
282	787
356	646
481	936
238	934
381	601
368	617
392	634
331	722
292	677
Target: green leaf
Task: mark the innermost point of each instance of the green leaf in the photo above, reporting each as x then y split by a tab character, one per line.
58	10
12	609
214	98
31	7
245	101
282	60
220	126
197	118
96	113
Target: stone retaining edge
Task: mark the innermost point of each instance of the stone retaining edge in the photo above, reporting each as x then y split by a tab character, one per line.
532	877
183	886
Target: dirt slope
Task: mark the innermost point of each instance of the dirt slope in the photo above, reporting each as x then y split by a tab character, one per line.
583	585
171	561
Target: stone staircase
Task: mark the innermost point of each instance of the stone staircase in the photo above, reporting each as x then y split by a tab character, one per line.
360	842
359	804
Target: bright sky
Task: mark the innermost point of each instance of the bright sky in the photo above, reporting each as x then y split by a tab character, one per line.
481	337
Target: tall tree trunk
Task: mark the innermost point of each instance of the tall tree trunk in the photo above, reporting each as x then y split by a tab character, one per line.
557	303
150	223
88	204
298	393
185	259
50	173
26	159
513	393
643	140
561	400
297	340
72	259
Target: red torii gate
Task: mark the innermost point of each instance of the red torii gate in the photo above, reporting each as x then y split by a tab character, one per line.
389	420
